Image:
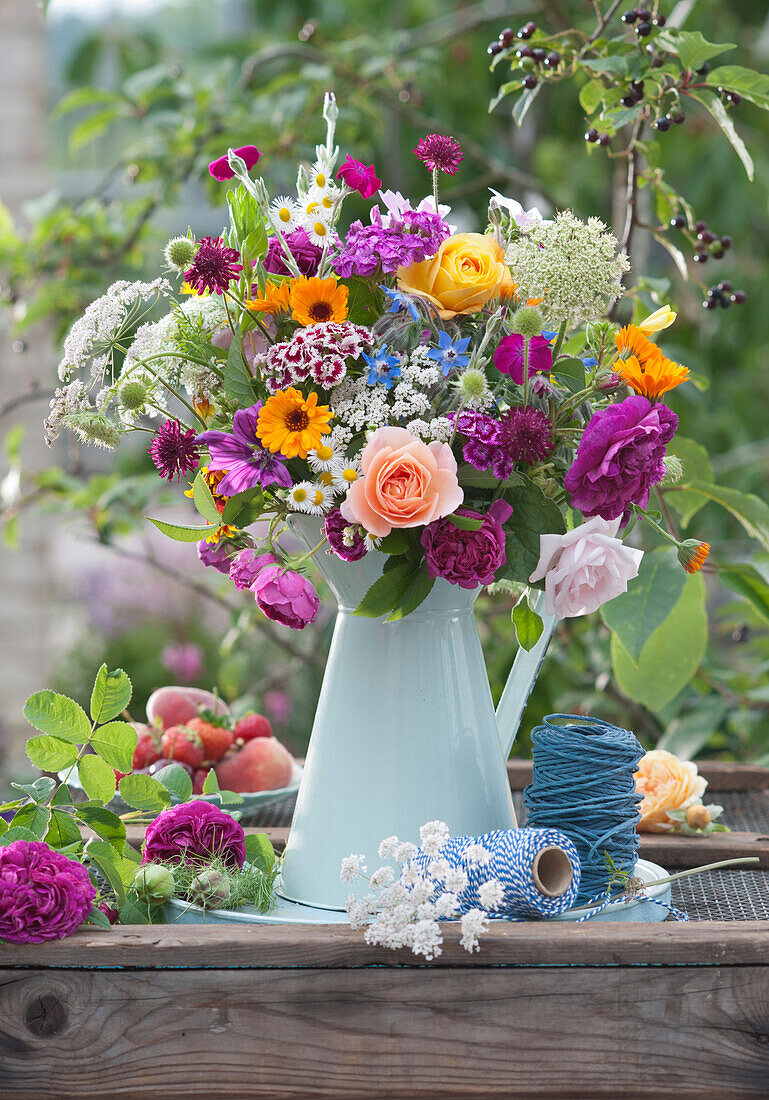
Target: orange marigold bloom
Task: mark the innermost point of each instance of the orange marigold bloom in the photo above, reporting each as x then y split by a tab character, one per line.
315	300
292	424
652	376
632	341
693	554
275	300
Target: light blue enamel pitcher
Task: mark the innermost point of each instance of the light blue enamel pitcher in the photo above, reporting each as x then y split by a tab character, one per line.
405	730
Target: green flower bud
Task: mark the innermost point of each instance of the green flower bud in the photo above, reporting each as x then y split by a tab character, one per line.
674	471
527	321
599	334
210	889
94	428
133	396
180	252
472	385
154	884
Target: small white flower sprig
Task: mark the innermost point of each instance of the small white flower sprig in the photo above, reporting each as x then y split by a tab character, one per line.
407	911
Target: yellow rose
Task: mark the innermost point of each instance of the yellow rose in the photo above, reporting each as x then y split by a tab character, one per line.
466	272
666	783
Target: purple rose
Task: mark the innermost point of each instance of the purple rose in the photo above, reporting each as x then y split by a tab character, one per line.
306	254
619	457
509	356
246	565
467	558
217	555
335	526
285	596
43	895
193	832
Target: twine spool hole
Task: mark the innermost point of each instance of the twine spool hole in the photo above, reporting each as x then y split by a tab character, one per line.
552	872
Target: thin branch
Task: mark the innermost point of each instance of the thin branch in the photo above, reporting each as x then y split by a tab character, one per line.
730	694
605	20
33	394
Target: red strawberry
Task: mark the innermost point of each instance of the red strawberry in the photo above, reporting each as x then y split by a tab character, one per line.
183	746
147	749
214	739
253	725
198	779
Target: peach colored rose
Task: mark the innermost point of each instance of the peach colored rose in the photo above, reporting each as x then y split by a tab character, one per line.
666	783
405	483
466	272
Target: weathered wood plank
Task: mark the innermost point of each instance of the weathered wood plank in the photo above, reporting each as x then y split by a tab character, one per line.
158	947
400	1035
674	852
720	776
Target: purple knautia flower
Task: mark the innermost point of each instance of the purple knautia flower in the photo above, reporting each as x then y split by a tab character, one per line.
360	177
509	356
243	457
215	266
450	354
220	168
335	527
218	555
440	153
174	450
194	832
306	254
619	457
43	895
526	434
246	565
382	368
409	238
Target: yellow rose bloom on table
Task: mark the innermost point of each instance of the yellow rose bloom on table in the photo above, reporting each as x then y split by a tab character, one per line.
666	783
466	272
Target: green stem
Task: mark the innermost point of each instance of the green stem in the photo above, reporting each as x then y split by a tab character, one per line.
559	340
435	188
653	523
306	557
526	344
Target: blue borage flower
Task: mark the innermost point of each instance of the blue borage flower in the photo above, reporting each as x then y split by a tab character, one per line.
382	368
450	354
399	301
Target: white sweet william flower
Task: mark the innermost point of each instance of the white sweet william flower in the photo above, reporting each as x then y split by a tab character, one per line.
352	867
474	924
491	893
584	568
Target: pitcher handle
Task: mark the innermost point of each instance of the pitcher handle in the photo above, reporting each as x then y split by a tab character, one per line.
520	682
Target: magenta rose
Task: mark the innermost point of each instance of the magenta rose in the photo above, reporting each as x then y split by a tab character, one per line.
43	895
335	526
509	356
360	177
285	596
619	457
194	832
306	254
217	555
467	558
246	565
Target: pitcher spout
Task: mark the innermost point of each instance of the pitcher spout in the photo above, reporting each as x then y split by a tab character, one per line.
520	682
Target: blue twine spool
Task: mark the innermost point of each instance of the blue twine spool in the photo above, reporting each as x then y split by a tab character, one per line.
583	783
538	868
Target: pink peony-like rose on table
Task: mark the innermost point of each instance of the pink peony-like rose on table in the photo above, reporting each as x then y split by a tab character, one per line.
43	895
194	832
584	568
467	558
405	483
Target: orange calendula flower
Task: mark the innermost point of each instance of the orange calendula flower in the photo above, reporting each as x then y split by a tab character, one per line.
316	300
292	424
693	554
651	376
275	300
630	340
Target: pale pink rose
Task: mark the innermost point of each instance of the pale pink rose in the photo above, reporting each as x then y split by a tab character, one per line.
584	568
405	483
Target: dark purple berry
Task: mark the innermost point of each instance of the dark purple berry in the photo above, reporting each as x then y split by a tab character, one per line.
714	292
725	302
604	140
659	20
627	101
726	242
734	98
630	16
527	30
704	69
591	135
677	117
707	236
725	287
709	303
678	222
662	124
494	48
700	257
530	81
643	30
524	51
552	59
506	36
739	297
658	61
717	254
643	14
699	226
539	54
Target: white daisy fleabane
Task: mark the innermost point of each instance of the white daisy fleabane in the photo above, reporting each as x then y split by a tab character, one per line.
491	893
285	213
352	867
474	924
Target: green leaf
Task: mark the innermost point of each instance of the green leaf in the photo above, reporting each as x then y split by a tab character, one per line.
97	778
395	543
182	532
615	64
416	593
63	796
111	694
363	302
686	734
95	126
63	830
175	780
692	48
138	912
115	743
203	499
39	791
143	792
58	716
108	861
260	851
750	510
712	103
465	523
591	95
697	467
51	754
237	380
33	817
570	373
678	257
85	97
16	833
245	507
523	104
211	783
672	654
386	592
528	625
469	478
99	919
104	823
748	582
750	84
650	598
534	514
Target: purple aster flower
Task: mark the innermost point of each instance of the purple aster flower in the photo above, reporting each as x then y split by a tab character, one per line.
218	555
619	457
220	168
243	457
440	153
335	526
509	356
173	450
526	435
194	832
306	254
405	239
215	266
43	895
360	177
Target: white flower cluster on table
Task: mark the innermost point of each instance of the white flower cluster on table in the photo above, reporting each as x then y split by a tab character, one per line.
407	910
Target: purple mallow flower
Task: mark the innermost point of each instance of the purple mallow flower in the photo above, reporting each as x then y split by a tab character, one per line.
619	457
215	266
335	527
306	254
173	450
467	558
440	153
285	596
509	356
194	832
246	565
220	168
241	454
401	241
43	895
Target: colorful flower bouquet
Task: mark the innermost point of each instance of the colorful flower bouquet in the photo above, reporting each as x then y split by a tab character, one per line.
456	400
